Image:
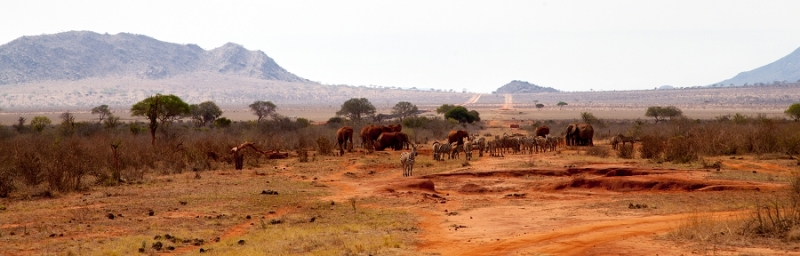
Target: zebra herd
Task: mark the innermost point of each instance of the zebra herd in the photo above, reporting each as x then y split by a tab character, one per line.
520	144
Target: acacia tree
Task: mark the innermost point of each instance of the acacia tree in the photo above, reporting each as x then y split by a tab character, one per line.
661	113
160	108
561	104
204	113
404	109
793	111
355	108
103	111
263	109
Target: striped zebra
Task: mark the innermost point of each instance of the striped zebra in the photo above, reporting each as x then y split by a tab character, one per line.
407	160
442	150
468	150
621	139
454	154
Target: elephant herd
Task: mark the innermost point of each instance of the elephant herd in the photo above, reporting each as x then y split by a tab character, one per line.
373	137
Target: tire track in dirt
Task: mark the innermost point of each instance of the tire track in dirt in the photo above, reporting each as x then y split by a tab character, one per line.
472	100
579	239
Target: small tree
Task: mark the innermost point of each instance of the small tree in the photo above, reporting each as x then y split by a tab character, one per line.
793	111
67	123
111	122
561	104
355	108
404	109
661	113
263	109
20	125
39	123
163	108
103	111
444	108
204	113
539	105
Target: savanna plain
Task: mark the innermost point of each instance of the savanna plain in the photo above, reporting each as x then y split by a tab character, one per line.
715	182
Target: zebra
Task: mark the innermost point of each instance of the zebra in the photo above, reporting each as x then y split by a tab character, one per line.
552	142
407	160
440	150
456	151
621	139
468	150
481	146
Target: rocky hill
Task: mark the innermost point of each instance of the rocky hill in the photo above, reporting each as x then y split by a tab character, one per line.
517	86
786	69
80	55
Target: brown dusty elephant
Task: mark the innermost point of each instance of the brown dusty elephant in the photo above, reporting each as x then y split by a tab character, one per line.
542	131
370	133
343	135
579	135
394	140
457	136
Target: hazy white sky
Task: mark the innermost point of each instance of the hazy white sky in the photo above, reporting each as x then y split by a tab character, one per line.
477	45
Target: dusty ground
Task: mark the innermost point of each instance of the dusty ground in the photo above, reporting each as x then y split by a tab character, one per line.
554	203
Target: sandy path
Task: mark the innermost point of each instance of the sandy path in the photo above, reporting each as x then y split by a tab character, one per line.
569	240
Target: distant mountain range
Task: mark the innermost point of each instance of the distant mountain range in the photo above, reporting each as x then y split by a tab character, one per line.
79	55
517	86
786	69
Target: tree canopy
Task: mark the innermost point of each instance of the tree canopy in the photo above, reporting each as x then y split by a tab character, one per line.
204	113
462	115
102	110
355	108
404	109
661	113
162	108
38	123
561	104
263	109
444	108
793	111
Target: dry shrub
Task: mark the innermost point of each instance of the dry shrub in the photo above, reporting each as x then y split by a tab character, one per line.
652	147
680	149
598	151
324	146
779	217
6	183
302	156
625	151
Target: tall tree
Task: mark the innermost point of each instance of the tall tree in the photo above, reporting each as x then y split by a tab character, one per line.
204	113
355	108
102	110
404	109
163	108
793	111
561	104
263	109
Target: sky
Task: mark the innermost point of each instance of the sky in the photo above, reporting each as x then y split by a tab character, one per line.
476	46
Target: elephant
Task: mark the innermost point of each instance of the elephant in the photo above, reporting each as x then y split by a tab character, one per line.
542	131
343	135
457	136
370	133
394	140
579	135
